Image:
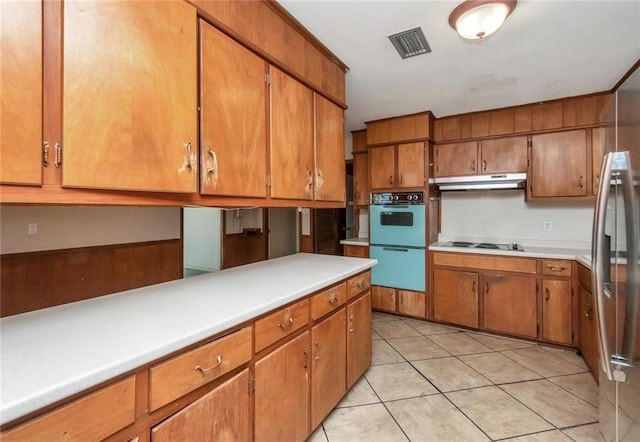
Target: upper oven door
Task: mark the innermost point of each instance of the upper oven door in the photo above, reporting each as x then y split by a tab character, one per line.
401	225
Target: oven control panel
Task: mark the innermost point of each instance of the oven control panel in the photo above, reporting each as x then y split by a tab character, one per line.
386	198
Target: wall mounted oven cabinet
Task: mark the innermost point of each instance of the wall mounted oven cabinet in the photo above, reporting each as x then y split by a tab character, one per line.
397	240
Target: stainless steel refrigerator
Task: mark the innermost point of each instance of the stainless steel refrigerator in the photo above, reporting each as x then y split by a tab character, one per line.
616	264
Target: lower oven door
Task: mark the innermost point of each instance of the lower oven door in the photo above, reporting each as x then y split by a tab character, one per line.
398	267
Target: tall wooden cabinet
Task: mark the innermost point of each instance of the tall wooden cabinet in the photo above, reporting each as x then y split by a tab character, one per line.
330	184
21	92
360	168
130	116
233	126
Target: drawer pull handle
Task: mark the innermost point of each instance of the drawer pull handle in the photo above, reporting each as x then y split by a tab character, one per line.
204	371
351	329
333	300
556	268
288	324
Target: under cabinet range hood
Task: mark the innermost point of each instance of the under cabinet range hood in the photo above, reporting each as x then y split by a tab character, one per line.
482	182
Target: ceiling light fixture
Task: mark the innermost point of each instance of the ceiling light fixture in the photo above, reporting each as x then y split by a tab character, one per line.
477	19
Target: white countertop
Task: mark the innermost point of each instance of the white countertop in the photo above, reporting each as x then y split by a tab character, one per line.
355	241
50	354
528	252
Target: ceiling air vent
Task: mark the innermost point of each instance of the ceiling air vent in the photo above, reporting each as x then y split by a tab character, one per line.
410	43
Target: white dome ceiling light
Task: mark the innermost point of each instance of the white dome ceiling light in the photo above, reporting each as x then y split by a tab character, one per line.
477	19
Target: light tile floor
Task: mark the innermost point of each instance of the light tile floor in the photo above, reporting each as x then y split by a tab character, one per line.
430	382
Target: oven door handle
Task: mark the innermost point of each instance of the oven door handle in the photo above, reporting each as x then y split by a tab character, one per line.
395	249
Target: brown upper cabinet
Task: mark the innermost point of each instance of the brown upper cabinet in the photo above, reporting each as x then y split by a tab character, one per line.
405	128
21	97
497	155
397	166
130	116
558	166
360	168
330	174
233	126
551	115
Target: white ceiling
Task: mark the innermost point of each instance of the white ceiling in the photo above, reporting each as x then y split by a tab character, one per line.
546	49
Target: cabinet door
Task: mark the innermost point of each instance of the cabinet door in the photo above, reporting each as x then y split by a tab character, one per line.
587	330
411	166
358	338
382	167
282	392
291	138
412	303
559	164
384	298
329	362
330	165
456	159
509	305
223	414
556	311
21	92
130	96
597	152
455	297
503	155
233	125
361	179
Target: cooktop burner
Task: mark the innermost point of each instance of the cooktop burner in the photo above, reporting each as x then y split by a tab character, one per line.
485	245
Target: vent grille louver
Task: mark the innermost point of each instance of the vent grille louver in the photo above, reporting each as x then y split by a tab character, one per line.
410	43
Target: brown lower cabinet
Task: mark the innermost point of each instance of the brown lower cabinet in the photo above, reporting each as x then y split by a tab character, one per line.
587	321
405	302
205	421
282	392
525	297
358	338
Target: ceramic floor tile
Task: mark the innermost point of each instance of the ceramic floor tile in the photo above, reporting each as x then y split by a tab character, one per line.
459	344
318	436
584	433
582	385
394	329
542	362
433	418
417	347
553	403
496	413
366	423
498	368
545	436
567	355
428	328
360	394
450	374
383	353
500	344
374	335
398	381
380	316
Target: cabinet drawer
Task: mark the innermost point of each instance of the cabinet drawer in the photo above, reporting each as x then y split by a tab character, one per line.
556	268
328	300
186	372
281	323
584	277
356	251
92	417
358	284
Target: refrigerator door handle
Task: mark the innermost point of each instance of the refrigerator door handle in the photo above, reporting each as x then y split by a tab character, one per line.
626	359
598	262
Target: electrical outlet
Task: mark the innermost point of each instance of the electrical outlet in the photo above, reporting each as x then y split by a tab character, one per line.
546	226
32	229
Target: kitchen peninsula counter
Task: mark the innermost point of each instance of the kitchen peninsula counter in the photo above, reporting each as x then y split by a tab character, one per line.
54	353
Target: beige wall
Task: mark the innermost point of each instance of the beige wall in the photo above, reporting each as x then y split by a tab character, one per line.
61	227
